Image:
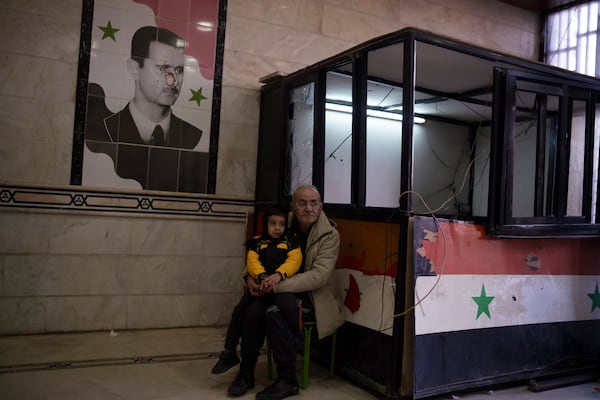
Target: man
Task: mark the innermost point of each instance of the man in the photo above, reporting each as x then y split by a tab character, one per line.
150	137
320	243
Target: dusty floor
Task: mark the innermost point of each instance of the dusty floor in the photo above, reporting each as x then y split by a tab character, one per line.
170	364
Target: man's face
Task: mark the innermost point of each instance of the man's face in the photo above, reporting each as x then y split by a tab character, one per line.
306	207
161	76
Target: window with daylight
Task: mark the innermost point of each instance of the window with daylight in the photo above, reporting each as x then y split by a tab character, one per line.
572	38
572	43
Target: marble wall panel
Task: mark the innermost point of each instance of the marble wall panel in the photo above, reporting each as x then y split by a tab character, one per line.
148	275
166	311
499	12
185	275
85	313
238	141
43	161
236	178
22	315
355	26
74	234
303	15
415	12
22	233
359	23
221	239
162	236
188	275
36	149
172	275
244	70
33	120
35	33
280	42
35	77
63	10
380	8
45	275
240	106
105	273
218	274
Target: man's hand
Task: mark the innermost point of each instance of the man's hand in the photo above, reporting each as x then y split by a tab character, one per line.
270	283
253	286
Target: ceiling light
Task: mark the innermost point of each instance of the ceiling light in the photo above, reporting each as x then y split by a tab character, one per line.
371	113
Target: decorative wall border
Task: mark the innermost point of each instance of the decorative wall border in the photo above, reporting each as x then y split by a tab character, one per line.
18	196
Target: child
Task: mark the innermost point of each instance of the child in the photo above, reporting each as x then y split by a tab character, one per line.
275	251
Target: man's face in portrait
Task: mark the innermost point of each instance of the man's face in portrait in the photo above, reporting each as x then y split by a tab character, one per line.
161	76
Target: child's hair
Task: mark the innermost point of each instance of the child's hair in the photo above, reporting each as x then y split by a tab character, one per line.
274	210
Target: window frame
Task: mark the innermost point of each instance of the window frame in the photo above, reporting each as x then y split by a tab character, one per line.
553	223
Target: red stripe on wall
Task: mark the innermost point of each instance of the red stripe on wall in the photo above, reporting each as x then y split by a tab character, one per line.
462	248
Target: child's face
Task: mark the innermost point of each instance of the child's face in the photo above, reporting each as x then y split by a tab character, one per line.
275	226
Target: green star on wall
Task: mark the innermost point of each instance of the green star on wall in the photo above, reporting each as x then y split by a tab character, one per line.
483	303
108	31
595	298
197	96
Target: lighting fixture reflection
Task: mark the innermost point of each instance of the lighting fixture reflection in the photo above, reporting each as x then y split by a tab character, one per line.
205	26
371	113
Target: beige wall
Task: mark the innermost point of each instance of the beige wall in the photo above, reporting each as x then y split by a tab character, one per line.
69	271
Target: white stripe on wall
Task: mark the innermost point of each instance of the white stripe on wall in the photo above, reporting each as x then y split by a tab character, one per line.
518	300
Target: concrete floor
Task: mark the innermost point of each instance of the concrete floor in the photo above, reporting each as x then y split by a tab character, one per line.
169	364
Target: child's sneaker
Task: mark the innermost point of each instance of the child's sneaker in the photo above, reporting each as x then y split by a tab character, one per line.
227	359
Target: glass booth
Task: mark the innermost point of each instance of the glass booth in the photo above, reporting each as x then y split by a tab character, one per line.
464	184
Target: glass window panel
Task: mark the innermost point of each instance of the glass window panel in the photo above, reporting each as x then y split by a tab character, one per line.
338	138
582	19
591	59
448	168
582	54
593	16
576	160
572	30
572	38
384	140
384	128
596	155
481	171
534	197
525	148
300	135
441	152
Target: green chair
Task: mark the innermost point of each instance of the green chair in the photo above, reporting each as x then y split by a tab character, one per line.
307	328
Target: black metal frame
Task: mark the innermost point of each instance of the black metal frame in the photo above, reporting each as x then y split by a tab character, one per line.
550	221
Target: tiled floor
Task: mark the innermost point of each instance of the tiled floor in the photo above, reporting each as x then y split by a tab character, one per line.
170	364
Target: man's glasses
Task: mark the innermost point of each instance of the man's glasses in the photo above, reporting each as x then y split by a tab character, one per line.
304	203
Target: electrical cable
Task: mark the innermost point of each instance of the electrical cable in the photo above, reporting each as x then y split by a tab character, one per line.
442	262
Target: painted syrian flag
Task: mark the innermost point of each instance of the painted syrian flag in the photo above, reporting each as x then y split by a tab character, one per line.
498	310
467	280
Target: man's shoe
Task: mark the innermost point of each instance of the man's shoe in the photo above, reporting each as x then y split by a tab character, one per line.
240	385
278	390
227	359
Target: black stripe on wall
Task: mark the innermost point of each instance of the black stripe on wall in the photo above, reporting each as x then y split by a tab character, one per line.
460	360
